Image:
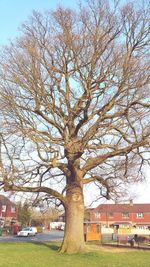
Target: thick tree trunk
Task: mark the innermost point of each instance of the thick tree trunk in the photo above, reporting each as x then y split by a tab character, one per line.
74	235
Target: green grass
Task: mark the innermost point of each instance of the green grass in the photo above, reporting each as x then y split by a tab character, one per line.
46	255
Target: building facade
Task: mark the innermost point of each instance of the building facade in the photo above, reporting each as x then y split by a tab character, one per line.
8	210
122	215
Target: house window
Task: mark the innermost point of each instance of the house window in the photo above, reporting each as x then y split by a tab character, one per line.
140	215
125	215
13	209
3	208
141	227
110	215
97	215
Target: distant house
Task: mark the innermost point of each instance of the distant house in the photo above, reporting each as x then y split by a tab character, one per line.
118	215
122	215
8	210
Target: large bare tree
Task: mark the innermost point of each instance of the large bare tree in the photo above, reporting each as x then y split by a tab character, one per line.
75	106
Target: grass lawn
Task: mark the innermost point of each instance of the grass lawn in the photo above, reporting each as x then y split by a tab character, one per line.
46	255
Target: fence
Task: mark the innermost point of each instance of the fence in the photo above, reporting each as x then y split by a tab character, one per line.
127	240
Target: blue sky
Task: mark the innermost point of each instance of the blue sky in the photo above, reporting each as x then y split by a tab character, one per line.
14	12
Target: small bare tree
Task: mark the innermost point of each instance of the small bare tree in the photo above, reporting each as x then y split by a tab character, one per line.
44	216
75	107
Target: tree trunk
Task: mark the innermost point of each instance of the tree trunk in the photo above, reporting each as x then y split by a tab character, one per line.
74	235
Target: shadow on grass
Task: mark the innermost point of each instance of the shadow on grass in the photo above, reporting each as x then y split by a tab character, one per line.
50	246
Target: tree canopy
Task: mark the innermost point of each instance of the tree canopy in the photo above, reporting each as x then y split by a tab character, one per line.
74	94
23	214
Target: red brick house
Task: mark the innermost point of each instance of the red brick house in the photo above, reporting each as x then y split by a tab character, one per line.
8	210
122	215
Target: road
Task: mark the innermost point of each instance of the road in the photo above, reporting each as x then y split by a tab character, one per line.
45	236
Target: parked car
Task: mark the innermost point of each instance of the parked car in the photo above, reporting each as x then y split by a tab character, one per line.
28	231
34	229
62	228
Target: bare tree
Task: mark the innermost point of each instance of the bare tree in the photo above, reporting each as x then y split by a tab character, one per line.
75	106
45	216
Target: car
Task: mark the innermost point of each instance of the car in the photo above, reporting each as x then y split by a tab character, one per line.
62	228
34	229
28	231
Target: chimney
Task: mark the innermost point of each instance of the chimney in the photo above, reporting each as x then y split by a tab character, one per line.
131	202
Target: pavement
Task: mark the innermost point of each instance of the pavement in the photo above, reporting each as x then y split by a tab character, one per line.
41	237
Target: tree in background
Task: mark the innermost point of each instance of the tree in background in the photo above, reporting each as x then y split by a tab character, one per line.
24	214
75	106
43	216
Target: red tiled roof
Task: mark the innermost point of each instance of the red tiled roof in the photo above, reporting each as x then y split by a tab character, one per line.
134	208
5	201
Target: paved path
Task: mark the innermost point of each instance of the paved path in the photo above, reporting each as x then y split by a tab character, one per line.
45	236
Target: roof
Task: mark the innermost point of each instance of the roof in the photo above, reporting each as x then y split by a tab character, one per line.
131	208
5	201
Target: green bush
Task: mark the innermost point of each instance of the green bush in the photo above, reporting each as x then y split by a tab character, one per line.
39	229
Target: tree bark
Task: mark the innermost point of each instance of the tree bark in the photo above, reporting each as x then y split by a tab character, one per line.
74	235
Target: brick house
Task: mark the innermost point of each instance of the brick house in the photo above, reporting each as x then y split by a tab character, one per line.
122	215
8	210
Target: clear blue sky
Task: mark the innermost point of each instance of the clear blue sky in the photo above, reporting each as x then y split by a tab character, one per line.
14	12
